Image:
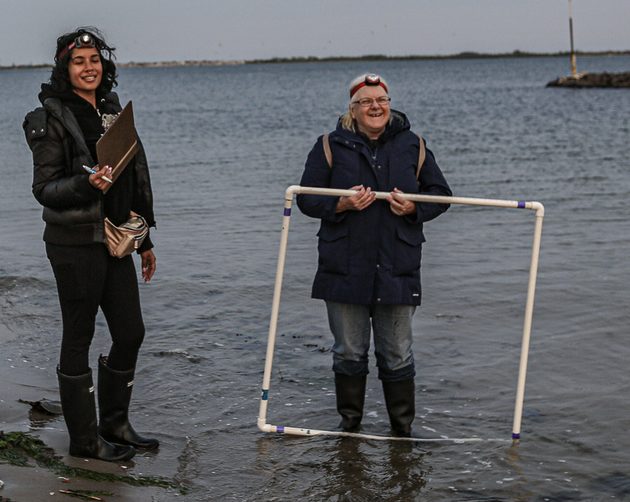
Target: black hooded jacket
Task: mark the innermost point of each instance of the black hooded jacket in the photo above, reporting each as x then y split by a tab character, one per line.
62	135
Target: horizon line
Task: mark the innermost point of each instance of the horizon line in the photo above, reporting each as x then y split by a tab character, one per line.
312	59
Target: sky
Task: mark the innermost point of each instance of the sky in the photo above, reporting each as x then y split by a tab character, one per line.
228	30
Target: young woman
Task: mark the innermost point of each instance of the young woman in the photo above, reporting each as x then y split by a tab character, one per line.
77	105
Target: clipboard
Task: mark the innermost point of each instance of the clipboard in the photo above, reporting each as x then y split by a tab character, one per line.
119	144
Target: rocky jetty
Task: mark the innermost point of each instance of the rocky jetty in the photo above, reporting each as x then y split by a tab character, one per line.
586	80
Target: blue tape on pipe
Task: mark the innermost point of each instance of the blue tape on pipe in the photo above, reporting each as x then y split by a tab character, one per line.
265	394
516	436
287	211
521	204
280	429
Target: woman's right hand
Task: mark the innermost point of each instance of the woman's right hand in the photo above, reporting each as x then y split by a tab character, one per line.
357	202
99	179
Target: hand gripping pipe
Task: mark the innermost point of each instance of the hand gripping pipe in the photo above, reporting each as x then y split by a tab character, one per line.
527	325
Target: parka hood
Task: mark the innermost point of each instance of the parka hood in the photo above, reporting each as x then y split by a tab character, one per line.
48	92
398	123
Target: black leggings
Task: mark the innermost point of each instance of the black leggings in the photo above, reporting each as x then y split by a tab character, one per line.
88	277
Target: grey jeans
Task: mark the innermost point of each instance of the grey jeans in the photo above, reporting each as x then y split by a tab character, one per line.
351	326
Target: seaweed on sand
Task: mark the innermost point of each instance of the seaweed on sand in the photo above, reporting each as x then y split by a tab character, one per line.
17	448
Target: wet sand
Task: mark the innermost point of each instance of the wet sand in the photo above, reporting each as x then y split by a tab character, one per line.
36	483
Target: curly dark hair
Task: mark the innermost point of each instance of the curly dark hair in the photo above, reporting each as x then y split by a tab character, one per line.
59	78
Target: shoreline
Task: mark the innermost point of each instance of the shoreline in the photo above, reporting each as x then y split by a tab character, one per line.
42	480
326	59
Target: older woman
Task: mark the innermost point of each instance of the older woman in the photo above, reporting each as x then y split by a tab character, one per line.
62	135
370	250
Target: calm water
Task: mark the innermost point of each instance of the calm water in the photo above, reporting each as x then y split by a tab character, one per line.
224	143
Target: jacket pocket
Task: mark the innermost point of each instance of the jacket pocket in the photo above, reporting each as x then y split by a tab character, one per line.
333	247
408	250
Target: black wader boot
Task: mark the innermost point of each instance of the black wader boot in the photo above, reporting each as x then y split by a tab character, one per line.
114	395
79	411
400	399
350	392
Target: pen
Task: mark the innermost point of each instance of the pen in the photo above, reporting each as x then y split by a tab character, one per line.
93	171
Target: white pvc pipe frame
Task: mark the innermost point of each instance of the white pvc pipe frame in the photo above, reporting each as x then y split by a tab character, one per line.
273	324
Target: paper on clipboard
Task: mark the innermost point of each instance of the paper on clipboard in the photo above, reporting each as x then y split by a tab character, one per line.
119	143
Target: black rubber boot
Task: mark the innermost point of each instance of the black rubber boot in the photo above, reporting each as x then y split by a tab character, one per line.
114	395
350	392
400	399
79	411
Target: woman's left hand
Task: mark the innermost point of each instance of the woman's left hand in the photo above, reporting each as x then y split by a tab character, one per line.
399	205
148	264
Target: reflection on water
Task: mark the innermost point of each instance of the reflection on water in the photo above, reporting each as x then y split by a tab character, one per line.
345	469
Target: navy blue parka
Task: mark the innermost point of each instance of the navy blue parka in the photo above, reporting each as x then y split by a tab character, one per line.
371	256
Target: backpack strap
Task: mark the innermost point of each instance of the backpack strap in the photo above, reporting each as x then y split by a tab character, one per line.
422	155
327	150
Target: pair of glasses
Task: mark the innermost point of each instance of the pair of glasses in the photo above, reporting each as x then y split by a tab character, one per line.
367	102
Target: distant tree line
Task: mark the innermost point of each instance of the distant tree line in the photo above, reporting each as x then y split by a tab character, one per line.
367	57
